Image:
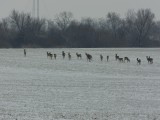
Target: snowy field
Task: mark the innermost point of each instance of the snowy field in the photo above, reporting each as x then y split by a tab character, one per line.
37	88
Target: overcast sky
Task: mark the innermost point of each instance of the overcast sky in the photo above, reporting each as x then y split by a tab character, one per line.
80	8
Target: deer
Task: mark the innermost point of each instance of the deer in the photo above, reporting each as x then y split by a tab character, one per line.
101	57
126	59
79	55
63	54
116	57
138	61
55	56
149	59
24	52
69	56
89	57
49	55
107	58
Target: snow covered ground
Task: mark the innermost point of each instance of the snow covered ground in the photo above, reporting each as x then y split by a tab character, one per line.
37	88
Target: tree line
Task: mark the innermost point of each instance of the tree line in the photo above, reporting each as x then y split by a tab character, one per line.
136	29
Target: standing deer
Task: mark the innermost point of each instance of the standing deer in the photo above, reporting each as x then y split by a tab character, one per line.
24	52
116	57
107	58
79	55
101	57
138	61
69	56
120	59
63	54
89	57
49	55
55	56
149	59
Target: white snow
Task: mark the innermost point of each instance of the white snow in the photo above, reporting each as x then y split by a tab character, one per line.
37	88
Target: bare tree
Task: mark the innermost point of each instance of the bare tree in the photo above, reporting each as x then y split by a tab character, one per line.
114	23
27	28
130	28
18	20
88	31
144	22
4	33
136	29
63	20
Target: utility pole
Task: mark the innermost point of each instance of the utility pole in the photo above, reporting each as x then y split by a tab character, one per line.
34	8
37	8
35	13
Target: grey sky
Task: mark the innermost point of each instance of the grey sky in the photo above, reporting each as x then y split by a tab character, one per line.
80	8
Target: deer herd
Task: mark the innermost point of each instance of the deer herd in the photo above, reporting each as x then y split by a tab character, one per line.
90	58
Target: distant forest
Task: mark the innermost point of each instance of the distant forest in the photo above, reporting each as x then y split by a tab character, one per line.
136	29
